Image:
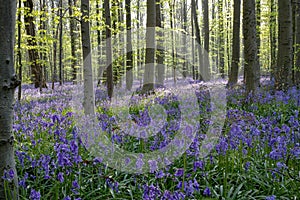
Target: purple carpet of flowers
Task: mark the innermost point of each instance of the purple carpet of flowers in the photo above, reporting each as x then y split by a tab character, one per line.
257	156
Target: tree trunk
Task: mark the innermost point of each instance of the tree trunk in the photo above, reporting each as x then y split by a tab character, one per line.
89	94
285	45
184	45
198	40
19	51
273	44
206	40
233	78
129	63
73	36
160	52
221	43
258	31
36	67
109	69
297	52
150	47
250	46
8	83
60	43
55	34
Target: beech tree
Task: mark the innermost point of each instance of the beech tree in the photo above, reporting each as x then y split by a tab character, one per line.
285	46
150	43
89	94
8	83
250	46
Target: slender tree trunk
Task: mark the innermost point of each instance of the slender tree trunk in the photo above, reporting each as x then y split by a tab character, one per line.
172	39
8	83
297	52
160	51
60	43
273	44
150	47
109	69
89	95
285	46
19	51
206	40
129	58
233	78
250	46
73	36
258	29
194	73
184	45
221	43
55	34
198	40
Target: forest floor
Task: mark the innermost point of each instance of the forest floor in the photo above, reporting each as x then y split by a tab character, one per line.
256	155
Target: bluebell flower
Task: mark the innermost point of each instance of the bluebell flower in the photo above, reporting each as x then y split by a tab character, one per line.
273	197
207	192
35	195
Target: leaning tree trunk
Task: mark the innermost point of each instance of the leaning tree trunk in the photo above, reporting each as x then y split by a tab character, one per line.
89	95
150	47
250	46
233	78
285	46
8	83
36	67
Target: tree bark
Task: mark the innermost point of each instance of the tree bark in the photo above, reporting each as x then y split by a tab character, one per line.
36	67
273	44
297	52
221	43
19	51
73	36
150	47
199	44
129	58
233	78
206	39
109	69
250	46
8	83
160	51
89	94
285	45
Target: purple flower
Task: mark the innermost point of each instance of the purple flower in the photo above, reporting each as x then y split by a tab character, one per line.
34	195
60	177
198	164
153	165
207	192
273	197
67	198
179	172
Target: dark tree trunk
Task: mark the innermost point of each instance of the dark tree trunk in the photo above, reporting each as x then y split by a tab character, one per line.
273	44
199	44
150	47
250	46
285	46
233	78
73	36
8	83
221	43
60	43
206	40
297	52
19	51
109	69
55	34
36	68
184	45
129	63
